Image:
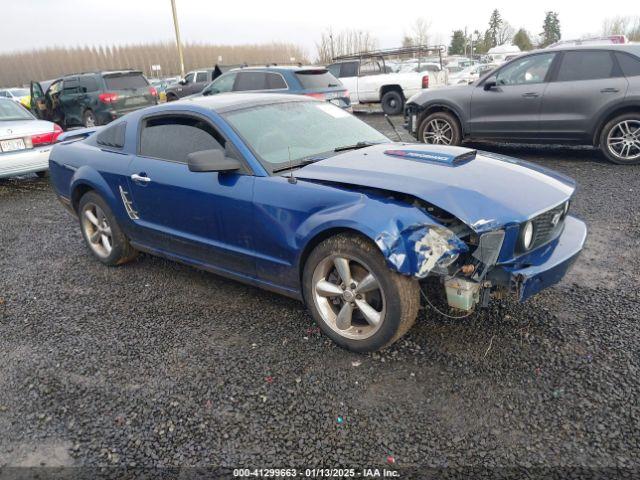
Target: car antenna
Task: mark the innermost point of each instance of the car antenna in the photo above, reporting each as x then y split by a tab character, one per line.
292	179
393	126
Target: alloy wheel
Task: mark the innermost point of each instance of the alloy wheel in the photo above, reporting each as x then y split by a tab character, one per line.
97	230
348	296
623	140
438	131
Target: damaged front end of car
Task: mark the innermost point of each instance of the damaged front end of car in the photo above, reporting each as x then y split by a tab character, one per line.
475	266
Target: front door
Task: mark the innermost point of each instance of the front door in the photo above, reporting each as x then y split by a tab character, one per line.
587	84
511	109
205	217
70	98
38	103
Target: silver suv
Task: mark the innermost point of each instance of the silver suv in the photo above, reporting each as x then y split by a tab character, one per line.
586	95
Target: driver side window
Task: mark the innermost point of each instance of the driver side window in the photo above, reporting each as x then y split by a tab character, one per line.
188	78
222	84
527	70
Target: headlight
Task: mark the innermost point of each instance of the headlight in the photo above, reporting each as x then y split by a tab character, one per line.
527	235
566	209
447	260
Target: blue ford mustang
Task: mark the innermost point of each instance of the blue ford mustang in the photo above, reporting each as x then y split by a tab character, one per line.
300	197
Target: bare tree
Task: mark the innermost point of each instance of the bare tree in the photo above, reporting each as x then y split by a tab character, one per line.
629	26
505	33
420	30
332	44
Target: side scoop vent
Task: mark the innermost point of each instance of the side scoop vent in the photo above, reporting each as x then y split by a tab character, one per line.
436	154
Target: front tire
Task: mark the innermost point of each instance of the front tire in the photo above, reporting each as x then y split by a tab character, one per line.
620	139
354	297
392	103
440	128
101	231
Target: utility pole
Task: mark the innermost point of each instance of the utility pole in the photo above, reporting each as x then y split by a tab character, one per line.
178	41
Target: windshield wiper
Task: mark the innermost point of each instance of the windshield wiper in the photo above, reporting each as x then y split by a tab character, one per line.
303	163
355	146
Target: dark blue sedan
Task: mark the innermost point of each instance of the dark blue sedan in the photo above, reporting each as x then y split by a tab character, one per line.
300	197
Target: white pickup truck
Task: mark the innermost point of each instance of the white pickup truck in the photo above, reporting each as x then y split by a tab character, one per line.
369	80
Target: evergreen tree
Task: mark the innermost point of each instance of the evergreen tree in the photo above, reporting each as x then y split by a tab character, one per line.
550	29
458	42
495	24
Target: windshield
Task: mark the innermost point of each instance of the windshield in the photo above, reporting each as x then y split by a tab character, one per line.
10	110
300	130
19	92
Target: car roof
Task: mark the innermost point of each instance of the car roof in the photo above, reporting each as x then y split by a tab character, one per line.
275	68
622	47
228	102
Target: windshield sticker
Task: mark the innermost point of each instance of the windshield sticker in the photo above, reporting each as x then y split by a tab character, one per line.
335	112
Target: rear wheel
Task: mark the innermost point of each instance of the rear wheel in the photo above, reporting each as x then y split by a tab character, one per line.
101	231
392	103
354	297
440	128
89	119
620	139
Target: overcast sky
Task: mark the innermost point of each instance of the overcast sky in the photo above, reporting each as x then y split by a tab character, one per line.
31	24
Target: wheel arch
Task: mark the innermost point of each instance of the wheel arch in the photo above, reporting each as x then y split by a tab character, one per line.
318	237
86	179
391	88
441	107
610	115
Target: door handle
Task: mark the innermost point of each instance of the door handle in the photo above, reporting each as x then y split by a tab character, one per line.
609	90
140	178
531	95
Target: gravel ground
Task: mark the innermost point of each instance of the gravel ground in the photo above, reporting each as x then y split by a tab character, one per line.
158	364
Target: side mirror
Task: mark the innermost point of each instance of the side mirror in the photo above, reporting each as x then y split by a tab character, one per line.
491	83
182	81
212	161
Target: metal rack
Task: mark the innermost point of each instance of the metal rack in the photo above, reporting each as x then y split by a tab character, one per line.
395	52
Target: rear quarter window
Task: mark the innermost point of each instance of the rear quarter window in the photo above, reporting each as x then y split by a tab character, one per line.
310	79
629	64
127	81
112	136
586	65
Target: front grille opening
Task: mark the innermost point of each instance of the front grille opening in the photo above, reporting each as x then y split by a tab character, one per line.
546	227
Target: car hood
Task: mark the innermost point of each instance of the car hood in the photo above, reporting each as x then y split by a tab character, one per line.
452	93
21	128
484	190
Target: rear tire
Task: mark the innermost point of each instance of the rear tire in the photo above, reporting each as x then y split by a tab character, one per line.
440	128
620	139
89	119
104	237
379	310
392	103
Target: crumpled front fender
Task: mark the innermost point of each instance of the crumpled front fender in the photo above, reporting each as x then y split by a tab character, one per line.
416	249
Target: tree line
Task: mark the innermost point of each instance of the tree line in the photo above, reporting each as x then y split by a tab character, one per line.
19	68
500	32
